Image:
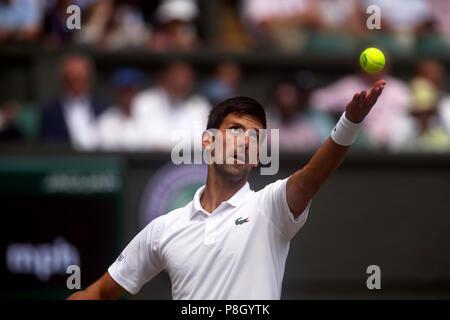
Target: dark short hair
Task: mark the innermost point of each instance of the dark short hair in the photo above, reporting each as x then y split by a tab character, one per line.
241	105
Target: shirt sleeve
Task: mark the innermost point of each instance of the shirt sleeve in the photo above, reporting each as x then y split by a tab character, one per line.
140	261
276	208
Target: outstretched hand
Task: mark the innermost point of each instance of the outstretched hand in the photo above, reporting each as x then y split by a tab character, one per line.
362	102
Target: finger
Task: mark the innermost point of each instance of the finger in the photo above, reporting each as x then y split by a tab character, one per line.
362	98
354	100
380	83
375	95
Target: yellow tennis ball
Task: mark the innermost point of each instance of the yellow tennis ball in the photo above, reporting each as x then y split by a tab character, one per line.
372	60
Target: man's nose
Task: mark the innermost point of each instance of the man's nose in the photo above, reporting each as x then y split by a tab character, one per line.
244	143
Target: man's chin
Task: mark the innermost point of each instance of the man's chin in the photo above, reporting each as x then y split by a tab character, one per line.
233	170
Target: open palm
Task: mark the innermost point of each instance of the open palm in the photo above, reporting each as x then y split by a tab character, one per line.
362	102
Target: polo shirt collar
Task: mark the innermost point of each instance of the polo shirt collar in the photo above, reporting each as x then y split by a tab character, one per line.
234	201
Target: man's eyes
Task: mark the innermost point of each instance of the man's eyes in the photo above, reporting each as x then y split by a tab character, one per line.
253	135
237	131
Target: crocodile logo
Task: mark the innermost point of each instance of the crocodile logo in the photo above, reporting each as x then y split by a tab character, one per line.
241	221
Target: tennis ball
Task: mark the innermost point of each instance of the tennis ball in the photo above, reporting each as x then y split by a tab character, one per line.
372	60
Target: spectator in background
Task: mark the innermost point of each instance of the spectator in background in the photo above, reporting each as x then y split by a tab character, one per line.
171	104
301	129
117	128
56	19
402	16
224	82
440	11
71	116
56	31
421	129
175	28
20	20
396	99
341	15
434	71
127	27
279	23
8	114
95	26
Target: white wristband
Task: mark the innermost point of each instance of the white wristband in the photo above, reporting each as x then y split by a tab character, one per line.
345	131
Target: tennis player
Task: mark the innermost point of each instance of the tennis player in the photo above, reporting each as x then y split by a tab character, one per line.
230	242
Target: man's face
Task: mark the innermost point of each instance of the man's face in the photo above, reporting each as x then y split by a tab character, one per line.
179	80
287	98
76	76
240	134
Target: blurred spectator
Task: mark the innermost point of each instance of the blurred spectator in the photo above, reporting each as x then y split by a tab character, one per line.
395	99
170	110
20	20
95	26
402	16
127	27
231	34
301	129
224	82
434	71
117	129
440	10
175	28
8	114
55	22
56	19
421	129
279	23
341	15
71	116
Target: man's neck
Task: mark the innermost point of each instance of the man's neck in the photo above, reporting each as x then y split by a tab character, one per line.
218	190
68	97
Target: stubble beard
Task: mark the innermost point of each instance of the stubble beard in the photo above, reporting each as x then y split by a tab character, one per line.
232	172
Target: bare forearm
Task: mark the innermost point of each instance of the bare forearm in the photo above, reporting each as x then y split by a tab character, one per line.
93	292
84	295
103	289
323	163
303	184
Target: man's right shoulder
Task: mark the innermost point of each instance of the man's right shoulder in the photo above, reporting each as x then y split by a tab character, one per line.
179	212
174	215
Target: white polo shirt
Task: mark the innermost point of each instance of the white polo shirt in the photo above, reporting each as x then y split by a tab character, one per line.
237	252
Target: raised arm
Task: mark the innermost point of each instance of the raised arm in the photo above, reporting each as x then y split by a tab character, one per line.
304	184
104	288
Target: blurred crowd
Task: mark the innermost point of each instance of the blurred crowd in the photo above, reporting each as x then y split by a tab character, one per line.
183	25
411	115
137	114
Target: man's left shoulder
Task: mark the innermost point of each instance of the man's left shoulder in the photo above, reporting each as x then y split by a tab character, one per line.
275	184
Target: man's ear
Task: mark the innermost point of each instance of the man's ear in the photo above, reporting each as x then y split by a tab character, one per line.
207	139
